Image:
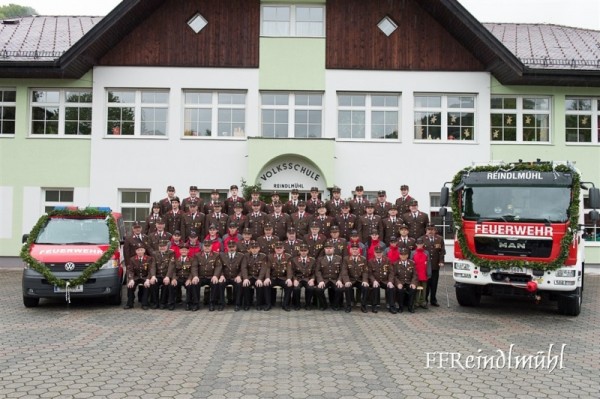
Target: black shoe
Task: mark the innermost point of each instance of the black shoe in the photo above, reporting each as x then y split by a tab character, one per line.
424	306
246	308
220	308
296	307
348	309
411	310
307	307
163	306
236	309
195	308
286	308
335	309
171	307
155	306
323	308
188	306
128	306
393	310
363	308
435	304
259	307
211	307
374	310
267	308
145	307
400	309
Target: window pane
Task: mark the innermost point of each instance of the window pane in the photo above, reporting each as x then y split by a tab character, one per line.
127	97
9	96
128	197
143	197
66	196
45	96
52	196
198	98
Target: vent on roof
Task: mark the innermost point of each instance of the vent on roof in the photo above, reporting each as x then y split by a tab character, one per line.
10	21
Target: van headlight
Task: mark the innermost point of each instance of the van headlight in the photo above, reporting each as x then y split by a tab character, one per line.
111	264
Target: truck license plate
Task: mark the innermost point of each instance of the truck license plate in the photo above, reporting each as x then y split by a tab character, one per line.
77	288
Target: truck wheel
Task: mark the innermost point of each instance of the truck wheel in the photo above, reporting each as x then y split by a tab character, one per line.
31	302
570	305
468	296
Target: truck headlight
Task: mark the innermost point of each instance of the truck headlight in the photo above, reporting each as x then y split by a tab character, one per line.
565	273
462	266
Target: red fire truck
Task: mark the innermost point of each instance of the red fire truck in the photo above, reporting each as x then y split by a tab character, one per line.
519	232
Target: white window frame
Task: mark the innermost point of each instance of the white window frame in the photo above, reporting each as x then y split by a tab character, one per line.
214	106
7	104
594	115
47	205
141	209
61	104
444	109
138	107
292	21
368	110
520	112
592	230
291	107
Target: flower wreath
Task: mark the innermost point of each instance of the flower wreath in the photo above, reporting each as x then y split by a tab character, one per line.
91	269
503	264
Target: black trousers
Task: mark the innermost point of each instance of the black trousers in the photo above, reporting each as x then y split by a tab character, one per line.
143	291
432	285
237	292
337	295
376	295
406	293
159	292
287	292
190	293
248	293
308	293
363	293
213	289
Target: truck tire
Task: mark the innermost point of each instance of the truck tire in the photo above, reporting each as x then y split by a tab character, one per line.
31	302
467	295
570	305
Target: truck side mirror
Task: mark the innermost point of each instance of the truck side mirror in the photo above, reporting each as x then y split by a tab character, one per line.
444	196
25	238
594	216
443	212
594	196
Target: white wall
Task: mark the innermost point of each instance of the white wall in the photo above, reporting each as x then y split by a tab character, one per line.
6	210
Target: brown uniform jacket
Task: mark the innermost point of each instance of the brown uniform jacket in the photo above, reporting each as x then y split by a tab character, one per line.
410	243
255	266
232	268
185	204
207	266
390	228
150	226
416	225
300	270
315	247
340	246
327	271
382	272
334	208
267	246
256	224
405	274
289	207
382	210
155	239
183	269
228	204
313	205
165	205
280	224
173	221
346	224
357	207
162	261
191	222
366	224
292	247
324	224
130	245
277	268
141	269
403	204
301	223
436	249
219	220
354	271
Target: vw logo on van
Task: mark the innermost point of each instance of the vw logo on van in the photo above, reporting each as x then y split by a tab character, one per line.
69	266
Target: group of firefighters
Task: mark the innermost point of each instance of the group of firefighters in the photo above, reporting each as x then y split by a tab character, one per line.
335	246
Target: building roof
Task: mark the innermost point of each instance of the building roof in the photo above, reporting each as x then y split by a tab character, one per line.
545	46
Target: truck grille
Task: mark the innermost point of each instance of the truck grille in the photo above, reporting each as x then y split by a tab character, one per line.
513	247
511	278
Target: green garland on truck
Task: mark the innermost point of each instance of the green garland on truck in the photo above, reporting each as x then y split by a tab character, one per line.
498	264
91	269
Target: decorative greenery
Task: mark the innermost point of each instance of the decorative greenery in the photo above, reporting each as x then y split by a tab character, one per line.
91	269
247	190
503	264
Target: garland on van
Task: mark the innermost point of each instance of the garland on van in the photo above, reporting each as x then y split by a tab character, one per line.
566	241
91	269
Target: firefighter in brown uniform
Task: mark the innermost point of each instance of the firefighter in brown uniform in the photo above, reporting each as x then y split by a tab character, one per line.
405	280
237	215
315	241
233	263
328	274
322	220
252	276
271	206
314	202
165	203
208	265
159	291
340	245
301	220
275	274
256	220
244	244
367	222
382	206
173	217
381	276
291	206
267	241
404	241
302	274
434	244
140	272
218	219
403	202
159	235
415	220
346	221
151	219
358	203
194	220
255	197
131	242
292	244
279	220
232	200
182	274
391	224
354	274
334	205
194	197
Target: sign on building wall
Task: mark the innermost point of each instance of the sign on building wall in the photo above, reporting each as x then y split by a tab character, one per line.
285	174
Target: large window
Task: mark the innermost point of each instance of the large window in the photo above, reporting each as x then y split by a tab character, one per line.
297	115
214	114
135	205
592	229
582	120
137	112
8	99
368	116
520	119
61	112
293	20
445	117
57	197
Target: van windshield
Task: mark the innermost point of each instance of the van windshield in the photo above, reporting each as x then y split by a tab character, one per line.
60	231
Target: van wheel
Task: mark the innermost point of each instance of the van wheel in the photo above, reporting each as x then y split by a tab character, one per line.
570	304
115	300
31	302
467	295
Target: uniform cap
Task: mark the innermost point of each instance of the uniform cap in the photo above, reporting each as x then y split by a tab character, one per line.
255	203
255	191
336	190
354	245
155	205
160	221
233	187
420	241
328	244
139	245
185	245
374	231
403	226
231	244
369	204
295	191
193	234
212	227
277	203
354	233
175	199
394	207
214	191
404	187
278	244
345	205
381	193
137	224
322	205
274	194
247	231
207	243
431	226
393	239
303	247
404	251
254	244
170	188
217	203
378	249
193	188
359	188
414	202
193	202
268	226
163	243
314	189
177	233
238	205
233	224
334	228
315	224
301	203
291	230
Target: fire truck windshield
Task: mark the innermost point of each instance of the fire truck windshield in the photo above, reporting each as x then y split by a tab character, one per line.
526	204
60	231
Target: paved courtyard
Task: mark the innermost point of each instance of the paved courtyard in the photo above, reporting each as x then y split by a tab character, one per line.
89	349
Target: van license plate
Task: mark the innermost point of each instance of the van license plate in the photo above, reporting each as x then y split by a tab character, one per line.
77	288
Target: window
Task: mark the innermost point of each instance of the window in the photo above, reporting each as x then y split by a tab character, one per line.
294	20
135	205
592	230
57	197
445	117
214	114
61	112
297	115
368	116
582	118
443	224
520	119
8	99
137	112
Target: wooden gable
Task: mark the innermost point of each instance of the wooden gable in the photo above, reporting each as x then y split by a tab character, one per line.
230	39
420	43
